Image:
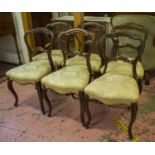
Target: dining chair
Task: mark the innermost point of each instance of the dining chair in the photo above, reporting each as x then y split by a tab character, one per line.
116	66
147	22
57	55
95	58
70	79
117	89
33	71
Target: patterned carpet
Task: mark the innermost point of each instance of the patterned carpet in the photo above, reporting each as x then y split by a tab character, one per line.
26	123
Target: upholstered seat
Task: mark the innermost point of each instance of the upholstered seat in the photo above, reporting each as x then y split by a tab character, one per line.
57	57
113	89
95	61
31	72
124	68
70	79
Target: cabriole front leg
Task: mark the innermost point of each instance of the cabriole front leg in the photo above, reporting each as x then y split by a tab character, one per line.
134	108
11	89
47	101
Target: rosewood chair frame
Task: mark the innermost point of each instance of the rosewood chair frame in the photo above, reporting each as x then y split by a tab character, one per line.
131	26
114	37
49	34
95	28
67	54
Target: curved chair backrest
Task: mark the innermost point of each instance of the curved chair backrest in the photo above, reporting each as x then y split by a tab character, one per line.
133	28
89	40
147	22
41	33
58	27
114	36
97	29
94	27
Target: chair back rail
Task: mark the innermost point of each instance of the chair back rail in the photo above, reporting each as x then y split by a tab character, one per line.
97	29
41	32
58	27
67	52
114	37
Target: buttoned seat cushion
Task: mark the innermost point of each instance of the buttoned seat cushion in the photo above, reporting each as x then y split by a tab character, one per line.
29	73
124	68
95	61
57	57
113	89
70	79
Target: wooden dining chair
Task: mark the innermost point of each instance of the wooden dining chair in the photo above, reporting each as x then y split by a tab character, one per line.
71	79
33	71
147	22
95	58
116	66
117	89
57	55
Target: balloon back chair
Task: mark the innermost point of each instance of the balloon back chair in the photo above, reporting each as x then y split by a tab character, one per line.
95	58
33	71
57	55
98	30
117	88
71	79
147	22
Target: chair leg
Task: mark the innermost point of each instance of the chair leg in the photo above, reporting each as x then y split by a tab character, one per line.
47	101
40	95
140	85
84	110
11	89
134	108
82	107
146	78
87	112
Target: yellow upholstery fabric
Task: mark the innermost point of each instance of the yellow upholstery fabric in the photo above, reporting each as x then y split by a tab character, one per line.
57	57
113	89
29	73
124	68
70	79
95	61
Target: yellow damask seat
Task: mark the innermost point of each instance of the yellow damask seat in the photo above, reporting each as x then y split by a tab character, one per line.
69	79
29	73
57	57
124	68
95	61
110	89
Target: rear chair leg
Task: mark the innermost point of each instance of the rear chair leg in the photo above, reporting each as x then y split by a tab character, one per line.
47	101
84	110
39	91
134	108
11	89
87	111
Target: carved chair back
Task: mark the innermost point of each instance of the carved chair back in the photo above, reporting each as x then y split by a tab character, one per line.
133	28
70	52
58	27
41	33
114	36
